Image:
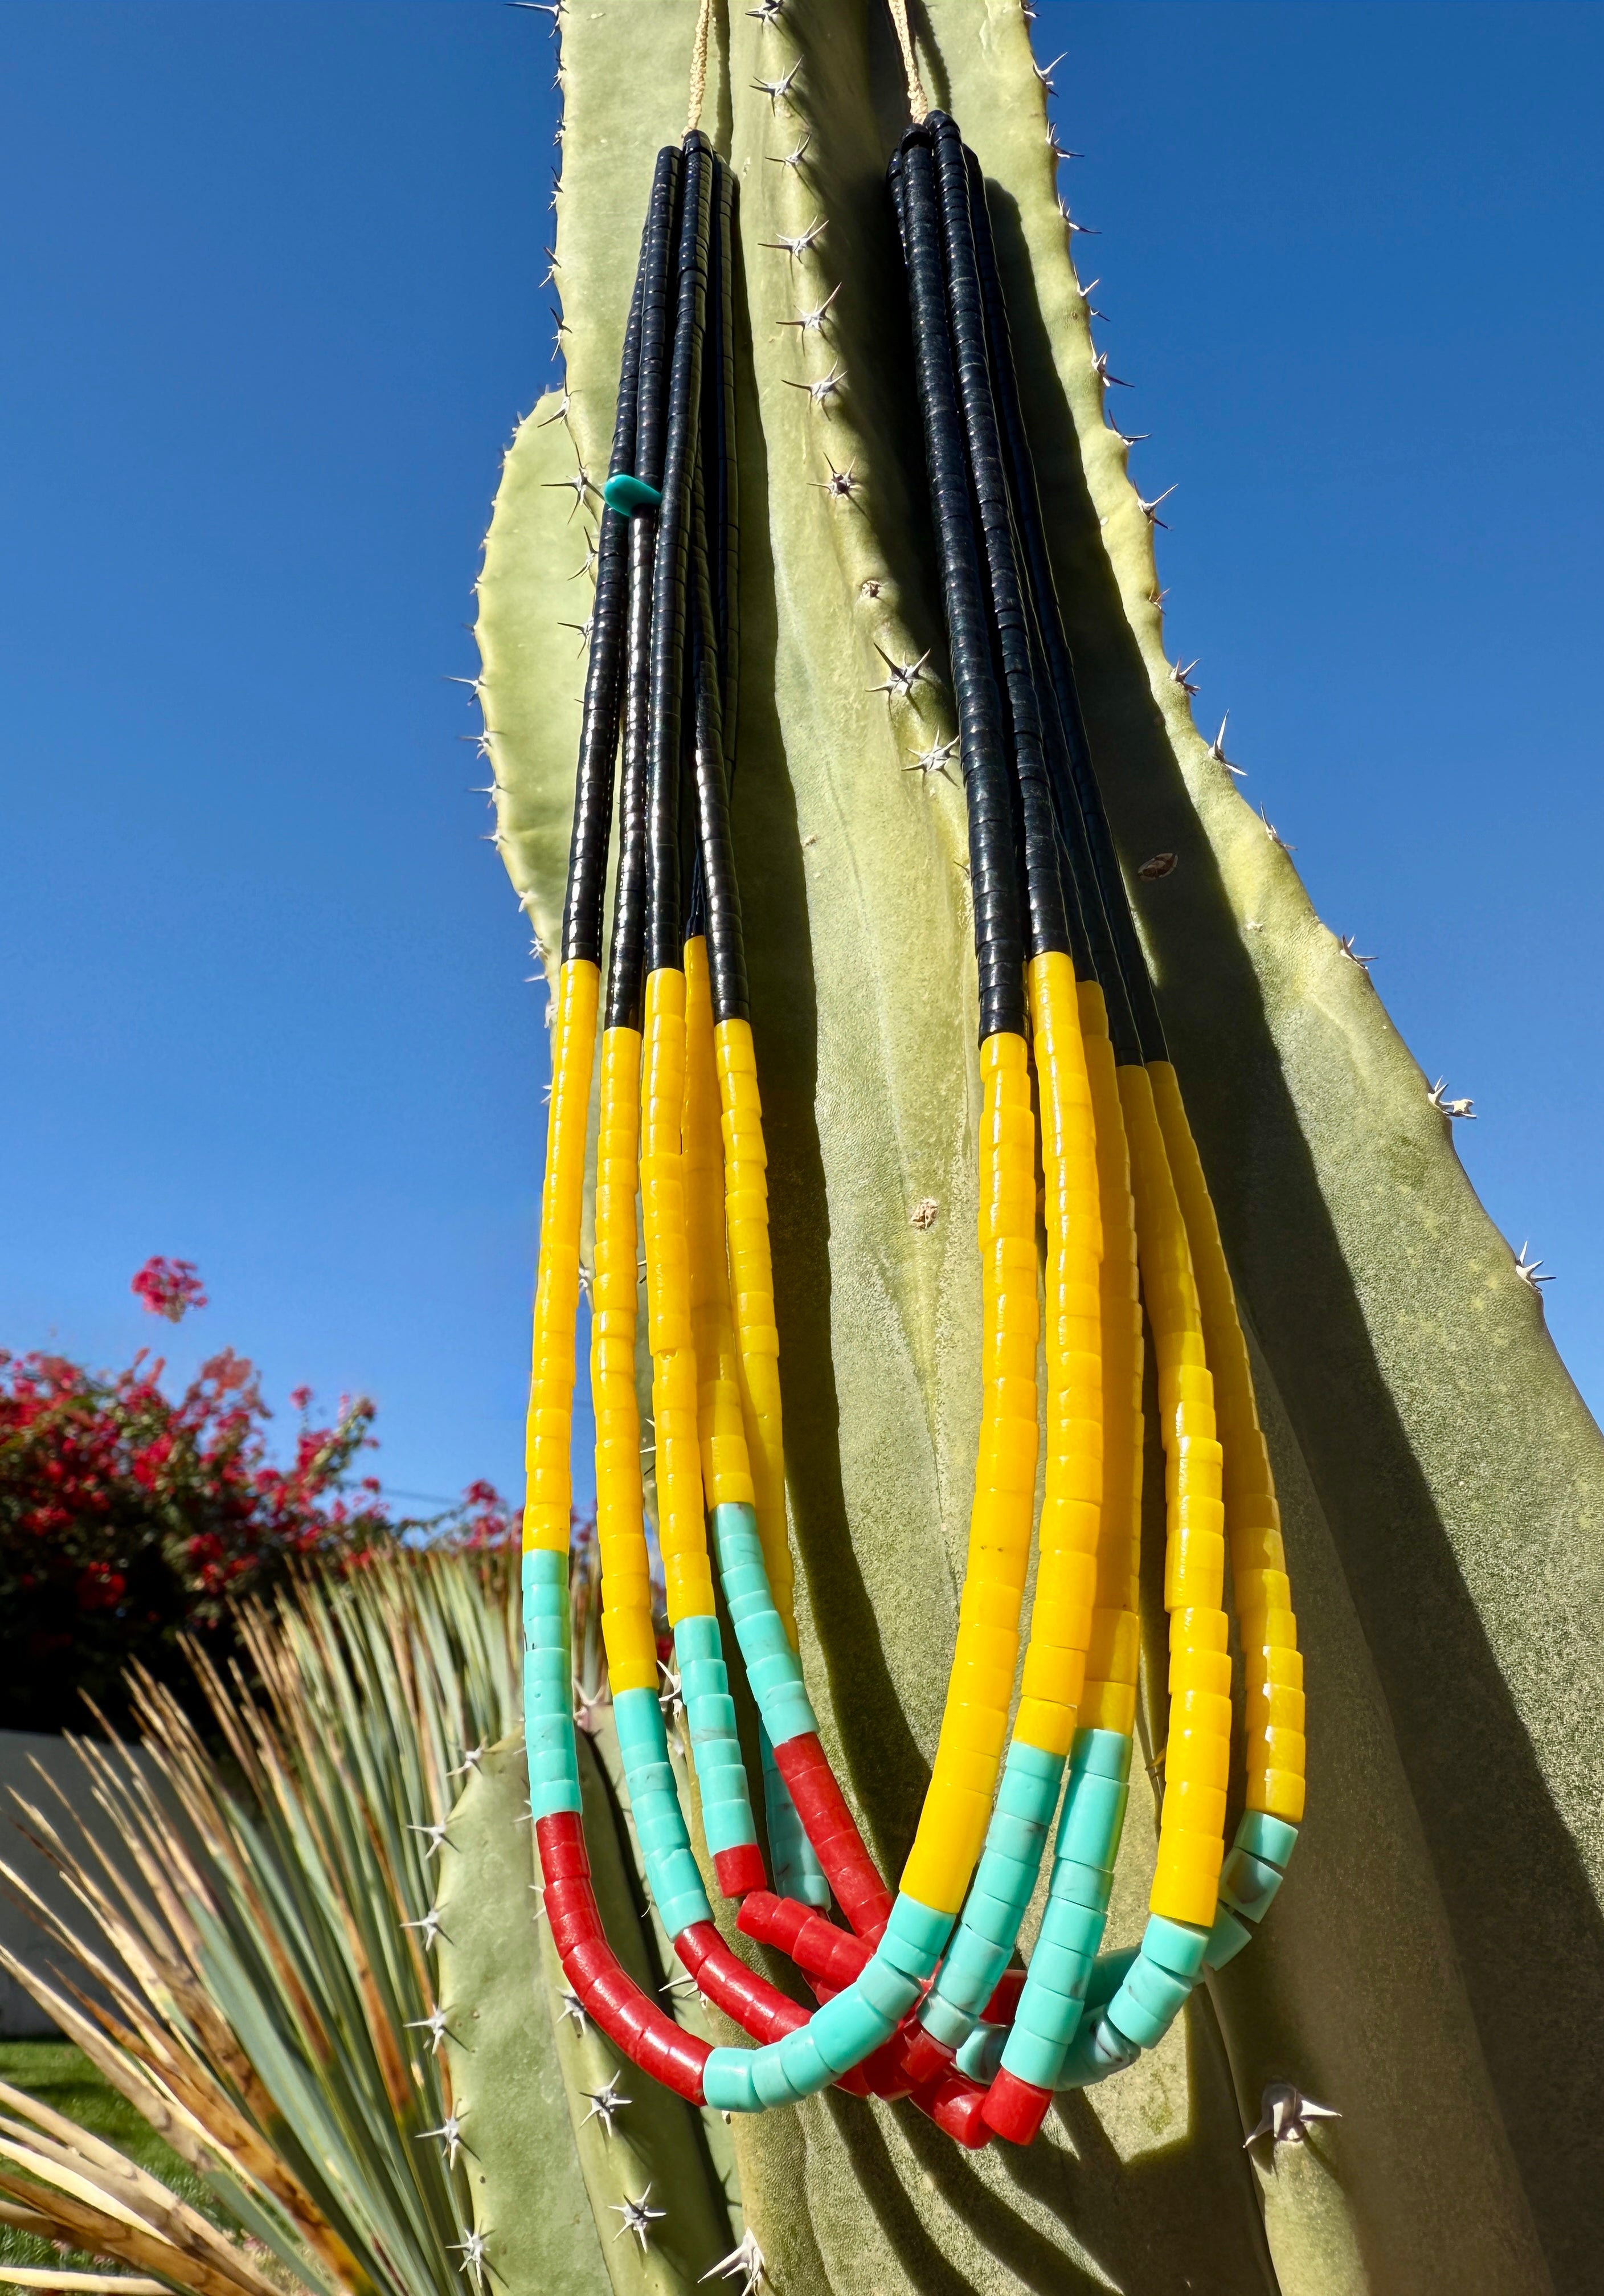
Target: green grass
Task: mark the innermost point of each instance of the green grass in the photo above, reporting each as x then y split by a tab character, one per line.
61	2076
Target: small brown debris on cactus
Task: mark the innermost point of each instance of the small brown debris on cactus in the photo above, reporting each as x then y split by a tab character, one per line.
924	1214
1159	865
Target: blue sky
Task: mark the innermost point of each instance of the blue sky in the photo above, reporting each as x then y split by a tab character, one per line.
273	296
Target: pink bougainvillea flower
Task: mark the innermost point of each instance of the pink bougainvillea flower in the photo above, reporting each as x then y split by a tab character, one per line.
168	1287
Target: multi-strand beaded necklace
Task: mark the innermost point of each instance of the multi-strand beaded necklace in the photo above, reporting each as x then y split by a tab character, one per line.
917	1993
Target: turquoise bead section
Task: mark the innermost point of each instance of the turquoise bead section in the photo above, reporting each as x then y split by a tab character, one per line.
1147	2003
798	1873
774	1670
628	496
726	1805
1269	1838
553	1757
672	1875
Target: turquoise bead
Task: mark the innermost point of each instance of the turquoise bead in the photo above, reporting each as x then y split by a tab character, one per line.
1071	1928
629	496
1094	1814
1081	1885
1029	2058
915	1936
944	2021
1226	1939
1108	1975
1101	1753
982	2053
1247	1885
1269	1838
1097	2050
1176	1946
727	2081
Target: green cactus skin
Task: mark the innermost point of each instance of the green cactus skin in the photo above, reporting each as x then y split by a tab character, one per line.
1433	1967
548	2175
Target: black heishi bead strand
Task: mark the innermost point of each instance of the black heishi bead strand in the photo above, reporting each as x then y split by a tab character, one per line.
993	879
629	898
664	947
604	676
1143	1006
1047	912
721	921
723	542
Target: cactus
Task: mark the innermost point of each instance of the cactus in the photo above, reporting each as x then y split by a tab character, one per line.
547	2087
1440	1476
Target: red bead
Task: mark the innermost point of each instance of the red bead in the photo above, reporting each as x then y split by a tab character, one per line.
833	1830
564	1826
758	2008
771	1920
825	1951
925	2058
958	2106
739	1870
882	2068
1016	2108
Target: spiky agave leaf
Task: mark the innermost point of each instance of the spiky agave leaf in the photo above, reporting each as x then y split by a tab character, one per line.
264	1941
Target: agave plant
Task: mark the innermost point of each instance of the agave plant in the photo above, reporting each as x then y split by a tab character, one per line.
1441	1477
253	1948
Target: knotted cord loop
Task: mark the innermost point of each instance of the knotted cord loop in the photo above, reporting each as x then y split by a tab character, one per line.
917	106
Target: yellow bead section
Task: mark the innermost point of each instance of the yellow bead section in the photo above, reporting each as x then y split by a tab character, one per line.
1198	1755
682	1526
752	1284
953	1822
626	1621
1252	1519
1066	1591
549	1428
1108	1702
721	1424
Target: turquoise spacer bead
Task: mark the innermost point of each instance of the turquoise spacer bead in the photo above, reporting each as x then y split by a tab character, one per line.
1029	2058
1176	1946
699	1637
630	496
1226	1939
1081	1885
1061	1969
1269	1838
1108	1975
1097	2050
946	2022
727	2081
1101	1753
915	1936
1149	2002
1093	1815
982	2053
1247	1885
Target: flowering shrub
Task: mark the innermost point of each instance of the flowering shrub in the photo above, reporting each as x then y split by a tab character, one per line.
169	1286
128	1519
